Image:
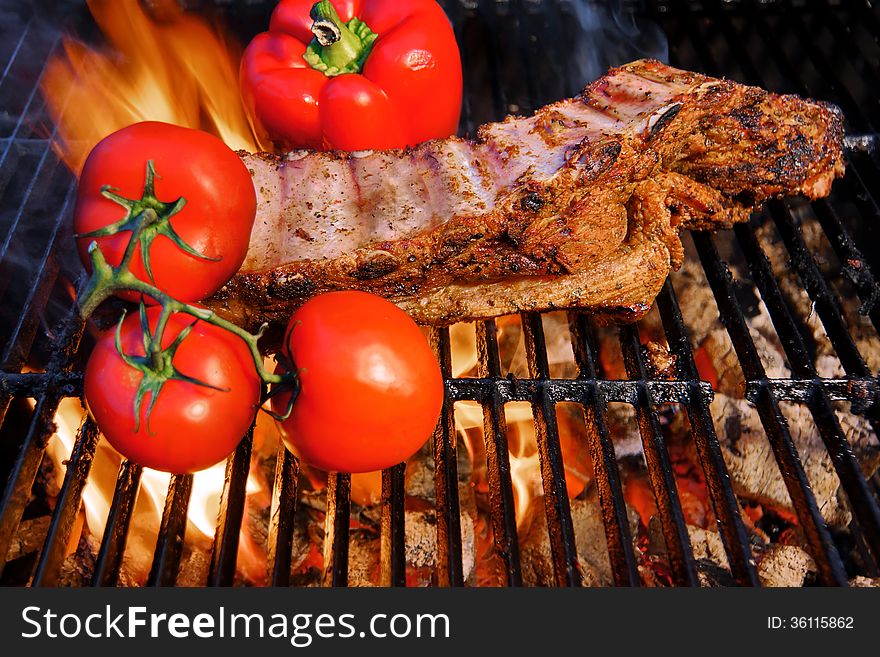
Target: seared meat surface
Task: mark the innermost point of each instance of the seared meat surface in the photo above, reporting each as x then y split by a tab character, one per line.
577	205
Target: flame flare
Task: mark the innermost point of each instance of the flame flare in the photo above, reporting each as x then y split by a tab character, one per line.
179	71
525	470
202	511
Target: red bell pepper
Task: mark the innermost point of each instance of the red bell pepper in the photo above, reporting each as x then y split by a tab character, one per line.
353	74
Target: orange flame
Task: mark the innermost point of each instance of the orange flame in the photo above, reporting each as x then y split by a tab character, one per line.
525	472
179	71
202	511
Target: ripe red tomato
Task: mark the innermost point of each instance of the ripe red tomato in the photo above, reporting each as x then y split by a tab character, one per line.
371	389
191	427
216	220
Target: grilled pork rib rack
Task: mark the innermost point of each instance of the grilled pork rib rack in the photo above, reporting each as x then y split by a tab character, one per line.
577	205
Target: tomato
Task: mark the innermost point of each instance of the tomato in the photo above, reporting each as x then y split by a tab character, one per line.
190	164
371	389
190	427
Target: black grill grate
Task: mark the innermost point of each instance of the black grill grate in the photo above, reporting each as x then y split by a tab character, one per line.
515	54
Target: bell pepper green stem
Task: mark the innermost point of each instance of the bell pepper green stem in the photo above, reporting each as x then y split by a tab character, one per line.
337	47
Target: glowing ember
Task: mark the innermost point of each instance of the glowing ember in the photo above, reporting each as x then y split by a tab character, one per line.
178	71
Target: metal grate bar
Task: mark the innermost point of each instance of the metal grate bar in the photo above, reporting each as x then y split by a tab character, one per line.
839	450
24	332
39	178
828	72
392	552
755	73
862	393
569	390
454	12
18	44
336	525
675	533
822	548
832	84
25	112
501	508
788	229
854	264
280	535
68	506
449	570
21	338
33	384
169	544
724	502
836	92
745	59
516	72
624	567
543	28
18	487
556	504
869	15
521	80
843	40
112	549
825	301
505	72
231	513
858	492
775	425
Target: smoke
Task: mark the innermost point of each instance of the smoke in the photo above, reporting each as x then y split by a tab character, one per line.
37	258
611	33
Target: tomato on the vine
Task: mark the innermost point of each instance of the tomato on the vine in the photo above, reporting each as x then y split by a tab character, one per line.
192	425
194	247
370	387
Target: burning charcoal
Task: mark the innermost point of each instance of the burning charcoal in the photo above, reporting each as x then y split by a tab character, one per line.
711	575
715	356
784	565
421	545
77	569
660	362
753	469
623	428
778	564
592	549
865	582
707	545
420	473
195	562
420	530
747	451
865	337
29	537
363	559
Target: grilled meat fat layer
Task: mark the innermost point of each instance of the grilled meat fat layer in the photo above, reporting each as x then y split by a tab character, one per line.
577	205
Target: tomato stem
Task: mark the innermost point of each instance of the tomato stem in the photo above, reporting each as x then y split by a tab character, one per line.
107	281
337	47
157	365
146	218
